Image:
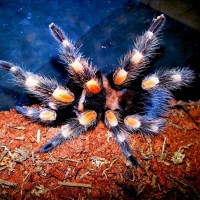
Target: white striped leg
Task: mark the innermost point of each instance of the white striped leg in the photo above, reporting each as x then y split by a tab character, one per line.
45	115
74	127
171	79
134	62
79	68
112	121
45	89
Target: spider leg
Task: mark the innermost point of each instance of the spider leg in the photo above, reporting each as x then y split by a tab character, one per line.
74	127
47	90
79	68
135	61
143	124
157	103
121	140
44	115
156	109
171	79
112	121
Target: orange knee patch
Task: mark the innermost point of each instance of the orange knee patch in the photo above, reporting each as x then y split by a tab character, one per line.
93	86
132	122
63	95
111	118
120	76
150	82
87	117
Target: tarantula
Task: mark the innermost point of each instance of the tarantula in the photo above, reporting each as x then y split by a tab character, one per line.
125	99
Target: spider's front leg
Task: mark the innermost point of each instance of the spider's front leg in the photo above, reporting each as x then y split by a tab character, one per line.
74	127
81	71
135	61
47	90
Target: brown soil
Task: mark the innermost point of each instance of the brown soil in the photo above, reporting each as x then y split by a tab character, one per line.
92	165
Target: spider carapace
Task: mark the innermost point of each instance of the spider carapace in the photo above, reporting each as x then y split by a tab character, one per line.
126	100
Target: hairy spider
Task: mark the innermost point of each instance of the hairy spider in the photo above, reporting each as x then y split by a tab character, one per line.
125	99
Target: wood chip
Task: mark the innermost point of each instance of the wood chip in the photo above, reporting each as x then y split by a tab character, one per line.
38	136
18	127
73	184
8	183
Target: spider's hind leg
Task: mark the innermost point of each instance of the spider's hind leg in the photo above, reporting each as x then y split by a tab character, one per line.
113	122
151	120
46	116
157	99
121	140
